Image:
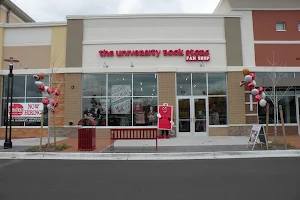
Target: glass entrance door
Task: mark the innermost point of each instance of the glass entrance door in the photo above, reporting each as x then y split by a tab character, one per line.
192	116
200	117
184	116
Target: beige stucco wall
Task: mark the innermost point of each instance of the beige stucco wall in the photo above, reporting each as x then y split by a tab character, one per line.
35	57
58	46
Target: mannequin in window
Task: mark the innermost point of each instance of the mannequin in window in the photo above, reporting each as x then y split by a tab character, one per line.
214	116
151	116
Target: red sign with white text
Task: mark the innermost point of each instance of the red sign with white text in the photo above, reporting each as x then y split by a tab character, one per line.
190	55
26	112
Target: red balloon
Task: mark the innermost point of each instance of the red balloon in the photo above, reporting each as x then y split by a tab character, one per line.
258	97
260	90
41	87
57	92
45	101
54	103
252	75
49	90
251	86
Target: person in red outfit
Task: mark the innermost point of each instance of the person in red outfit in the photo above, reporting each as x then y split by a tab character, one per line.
164	132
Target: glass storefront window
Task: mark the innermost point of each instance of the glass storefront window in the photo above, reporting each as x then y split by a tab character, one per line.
144	85
288	107
95	108
119	84
144	111
19	86
25	91
130	101
217	84
217	110
199	84
120	112
32	89
183	84
94	85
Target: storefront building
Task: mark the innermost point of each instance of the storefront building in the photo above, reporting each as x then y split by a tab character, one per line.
117	69
270	42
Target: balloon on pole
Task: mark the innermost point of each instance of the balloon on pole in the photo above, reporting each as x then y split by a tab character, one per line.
258	93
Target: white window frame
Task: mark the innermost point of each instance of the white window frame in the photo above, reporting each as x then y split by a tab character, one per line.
298	26
281	23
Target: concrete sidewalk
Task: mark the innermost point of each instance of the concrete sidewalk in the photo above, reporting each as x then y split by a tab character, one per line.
182	144
186	141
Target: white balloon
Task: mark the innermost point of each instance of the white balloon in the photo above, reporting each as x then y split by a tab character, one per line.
254	91
247	78
47	94
46	87
263	95
49	106
262	103
38	82
254	82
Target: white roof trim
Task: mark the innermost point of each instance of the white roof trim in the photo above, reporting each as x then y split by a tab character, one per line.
125	69
34	24
277	42
121	16
156	41
262	9
218	6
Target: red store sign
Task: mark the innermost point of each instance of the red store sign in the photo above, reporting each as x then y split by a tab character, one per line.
190	55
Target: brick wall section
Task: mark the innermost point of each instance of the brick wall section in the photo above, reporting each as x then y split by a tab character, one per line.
254	110
239	130
218	131
167	90
58	81
24	132
289	130
252	119
103	133
73	98
236	99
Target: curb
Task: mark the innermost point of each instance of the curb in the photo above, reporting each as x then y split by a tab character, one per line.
149	156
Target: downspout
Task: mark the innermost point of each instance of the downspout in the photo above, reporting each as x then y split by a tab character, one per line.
7	15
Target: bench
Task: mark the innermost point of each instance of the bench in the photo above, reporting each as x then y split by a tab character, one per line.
132	134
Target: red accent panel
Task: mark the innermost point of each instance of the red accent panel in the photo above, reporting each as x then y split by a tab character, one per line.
264	25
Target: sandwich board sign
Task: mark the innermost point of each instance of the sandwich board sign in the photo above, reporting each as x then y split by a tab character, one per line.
257	132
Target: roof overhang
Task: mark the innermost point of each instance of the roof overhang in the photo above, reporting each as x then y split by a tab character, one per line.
16	10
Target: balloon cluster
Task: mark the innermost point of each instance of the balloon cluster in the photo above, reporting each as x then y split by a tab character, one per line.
50	93
257	92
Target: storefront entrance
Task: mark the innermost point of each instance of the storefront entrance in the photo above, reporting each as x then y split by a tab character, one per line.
192	115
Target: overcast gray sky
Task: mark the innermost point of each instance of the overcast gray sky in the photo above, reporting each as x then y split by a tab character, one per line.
56	10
